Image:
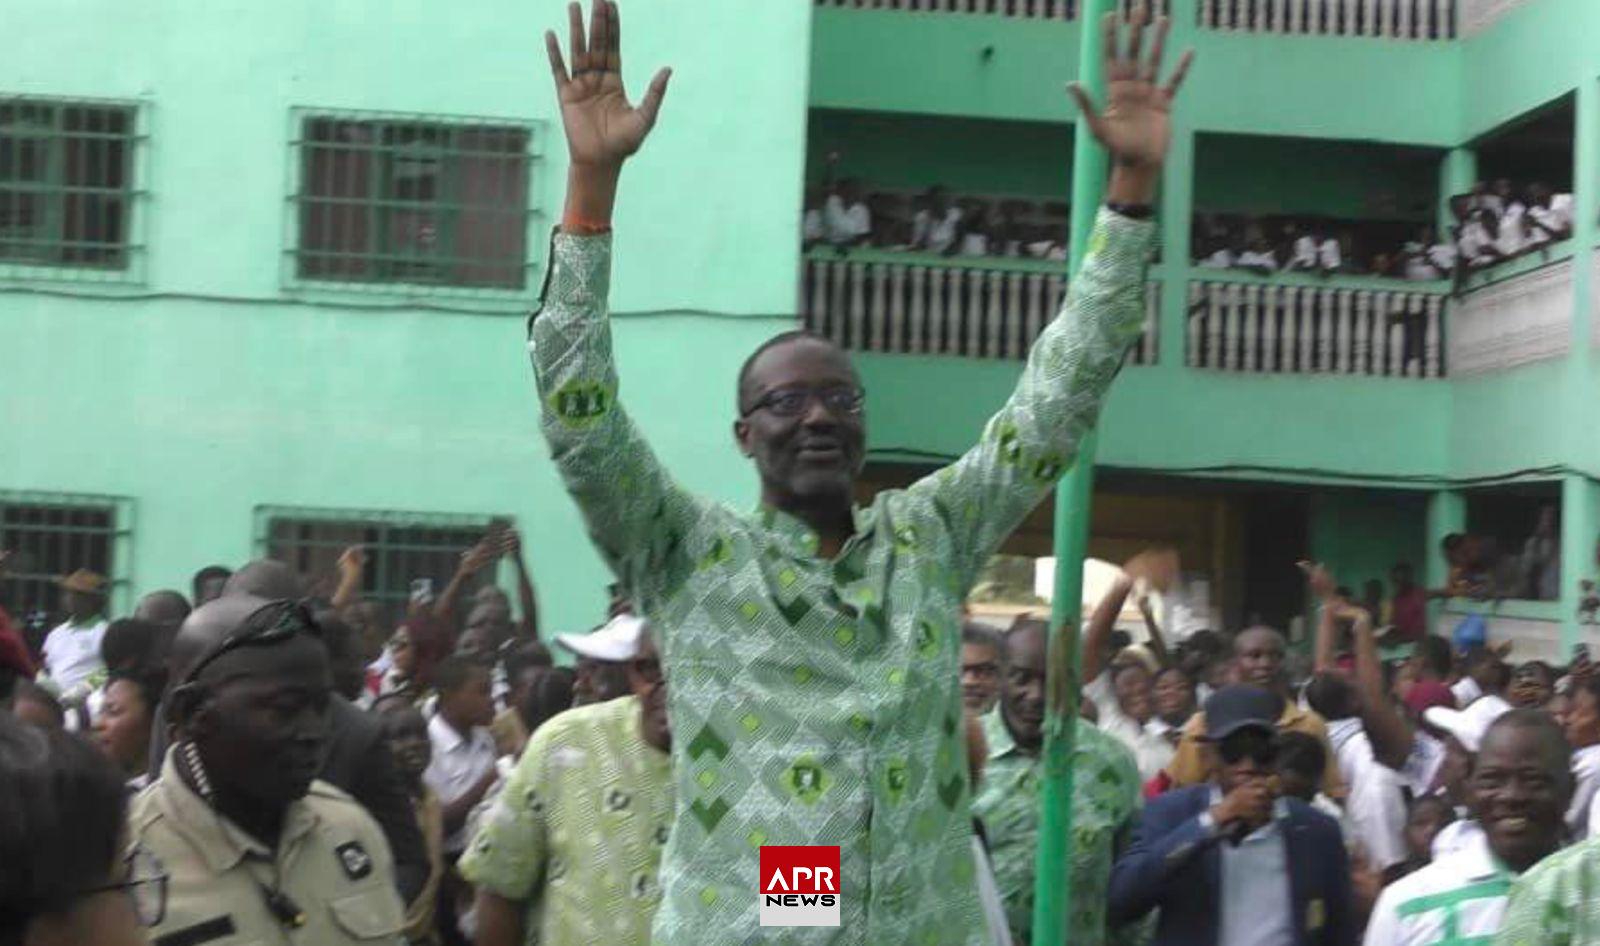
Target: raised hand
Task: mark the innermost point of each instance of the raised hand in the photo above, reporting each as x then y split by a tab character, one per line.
352	560
603	130
1136	126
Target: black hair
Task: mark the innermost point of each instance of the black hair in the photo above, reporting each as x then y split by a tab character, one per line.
26	691
1553	740
782	338
392	698
209	573
549	695
1206	642
1452	542
1119	640
1432	801
453	672
1174	668
1537	666
1332	697
1022	623
519	655
130	643
65	807
974	633
1433	652
1302	753
150	682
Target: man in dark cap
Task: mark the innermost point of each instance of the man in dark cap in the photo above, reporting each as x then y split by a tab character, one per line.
1230	862
254	847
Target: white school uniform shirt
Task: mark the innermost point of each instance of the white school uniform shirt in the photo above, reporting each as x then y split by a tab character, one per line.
72	654
1221	259
1258	259
1151	753
843	224
1422	765
1473	241
974	244
1375	809
1465	691
1586	778
1329	256
1305	253
1460	899
935	235
1511	238
459	762
811	226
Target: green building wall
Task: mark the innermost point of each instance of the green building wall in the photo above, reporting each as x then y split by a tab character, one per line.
212	389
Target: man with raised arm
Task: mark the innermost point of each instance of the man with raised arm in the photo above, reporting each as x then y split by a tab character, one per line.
813	645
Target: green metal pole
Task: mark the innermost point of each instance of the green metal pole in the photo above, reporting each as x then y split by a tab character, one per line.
1052	874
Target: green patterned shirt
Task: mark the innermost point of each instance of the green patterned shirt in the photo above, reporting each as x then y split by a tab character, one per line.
1105	795
579	829
1557	903
817	701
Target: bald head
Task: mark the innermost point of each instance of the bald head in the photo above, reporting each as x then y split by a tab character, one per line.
264	578
166	608
1258	654
205	629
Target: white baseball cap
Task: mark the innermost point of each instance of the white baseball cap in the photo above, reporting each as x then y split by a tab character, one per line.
615	641
1469	725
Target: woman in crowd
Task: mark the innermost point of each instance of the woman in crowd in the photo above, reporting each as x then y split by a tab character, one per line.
123	725
65	818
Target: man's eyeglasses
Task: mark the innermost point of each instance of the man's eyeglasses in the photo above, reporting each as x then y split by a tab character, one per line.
792	402
268	624
145	886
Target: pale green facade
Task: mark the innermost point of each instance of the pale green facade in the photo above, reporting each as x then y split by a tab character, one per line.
211	386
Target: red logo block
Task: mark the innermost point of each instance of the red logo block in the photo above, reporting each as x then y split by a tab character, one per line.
799	885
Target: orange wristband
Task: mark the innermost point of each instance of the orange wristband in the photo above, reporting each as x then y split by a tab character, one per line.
578	226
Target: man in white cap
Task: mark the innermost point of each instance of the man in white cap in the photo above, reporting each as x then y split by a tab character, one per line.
1463	730
603	655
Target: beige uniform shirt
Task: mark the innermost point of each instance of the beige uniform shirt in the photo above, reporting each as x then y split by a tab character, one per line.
332	863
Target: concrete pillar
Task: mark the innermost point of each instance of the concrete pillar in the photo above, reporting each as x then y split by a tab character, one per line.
1177	207
1580	527
1447	513
1457	173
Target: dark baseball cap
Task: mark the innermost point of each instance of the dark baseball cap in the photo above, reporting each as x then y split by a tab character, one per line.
1234	708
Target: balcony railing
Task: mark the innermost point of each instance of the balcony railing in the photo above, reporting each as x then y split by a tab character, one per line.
1289	325
1395	19
1023	9
932	305
1521	317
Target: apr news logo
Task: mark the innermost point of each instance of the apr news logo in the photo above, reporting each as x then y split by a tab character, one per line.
799	885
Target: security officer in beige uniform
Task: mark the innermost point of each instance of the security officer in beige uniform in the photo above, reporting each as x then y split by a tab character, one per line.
255	850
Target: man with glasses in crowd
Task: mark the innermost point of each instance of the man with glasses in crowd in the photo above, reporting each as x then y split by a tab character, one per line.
257	851
1230	863
813	645
570	852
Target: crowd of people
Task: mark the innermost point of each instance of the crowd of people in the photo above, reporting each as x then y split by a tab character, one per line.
259	769
842	215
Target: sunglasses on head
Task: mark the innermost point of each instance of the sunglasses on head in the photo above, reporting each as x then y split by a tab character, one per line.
1258	746
269	624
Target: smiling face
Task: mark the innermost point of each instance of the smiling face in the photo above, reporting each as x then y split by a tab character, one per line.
1520	787
808	444
1022	686
1132	687
1174	696
980	676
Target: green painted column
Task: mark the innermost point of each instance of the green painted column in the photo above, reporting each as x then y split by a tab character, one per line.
1177	206
1580	525
1458	171
1052	873
1447	513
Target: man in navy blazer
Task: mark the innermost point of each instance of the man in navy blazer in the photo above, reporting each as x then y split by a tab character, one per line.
1231	863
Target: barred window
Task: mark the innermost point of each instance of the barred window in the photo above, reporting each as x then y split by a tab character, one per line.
50	536
402	548
66	172
412	200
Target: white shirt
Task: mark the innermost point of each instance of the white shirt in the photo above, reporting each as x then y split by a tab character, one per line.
1466	690
458	764
1455	837
811	226
1419	909
1328	254
1375	809
1473	241
1221	259
935	236
1258	259
1150	752
72	654
974	244
994	911
1511	237
1305	253
1557	216
843	224
1586	778
1422	765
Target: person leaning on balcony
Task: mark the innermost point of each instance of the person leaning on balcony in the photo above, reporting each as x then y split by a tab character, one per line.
813	645
1475	245
937	225
1549	214
846	221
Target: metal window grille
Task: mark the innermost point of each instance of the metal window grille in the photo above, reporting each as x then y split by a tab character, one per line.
67	185
52	535
394	199
401	547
